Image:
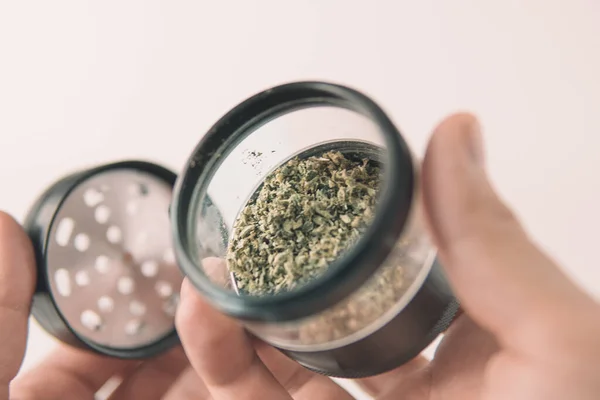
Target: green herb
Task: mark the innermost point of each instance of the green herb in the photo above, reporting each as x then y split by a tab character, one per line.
304	216
366	305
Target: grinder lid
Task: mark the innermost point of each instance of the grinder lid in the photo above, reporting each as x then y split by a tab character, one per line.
107	276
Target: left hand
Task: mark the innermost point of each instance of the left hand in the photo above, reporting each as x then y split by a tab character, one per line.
69	373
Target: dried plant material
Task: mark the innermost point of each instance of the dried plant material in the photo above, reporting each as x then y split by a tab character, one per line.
306	214
365	306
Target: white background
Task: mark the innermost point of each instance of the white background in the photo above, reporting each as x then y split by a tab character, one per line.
85	82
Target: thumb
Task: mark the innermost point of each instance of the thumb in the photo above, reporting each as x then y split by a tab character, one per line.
502	280
17	282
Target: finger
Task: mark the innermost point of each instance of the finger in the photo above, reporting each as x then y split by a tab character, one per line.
221	352
380	384
503	281
153	378
68	373
188	386
299	382
17	282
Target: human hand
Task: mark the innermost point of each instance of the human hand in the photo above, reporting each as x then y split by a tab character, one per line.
68	373
527	332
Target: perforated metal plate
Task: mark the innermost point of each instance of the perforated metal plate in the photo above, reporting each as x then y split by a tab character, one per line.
111	266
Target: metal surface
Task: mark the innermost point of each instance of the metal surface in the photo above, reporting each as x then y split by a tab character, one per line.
111	267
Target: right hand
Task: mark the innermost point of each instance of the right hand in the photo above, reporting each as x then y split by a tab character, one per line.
527	332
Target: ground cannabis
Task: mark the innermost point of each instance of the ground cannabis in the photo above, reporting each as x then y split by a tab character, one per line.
376	297
306	213
303	217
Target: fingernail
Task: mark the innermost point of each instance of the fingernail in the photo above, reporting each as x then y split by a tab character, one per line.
476	147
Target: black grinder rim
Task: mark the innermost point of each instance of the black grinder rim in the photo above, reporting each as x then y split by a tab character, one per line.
38	224
344	276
